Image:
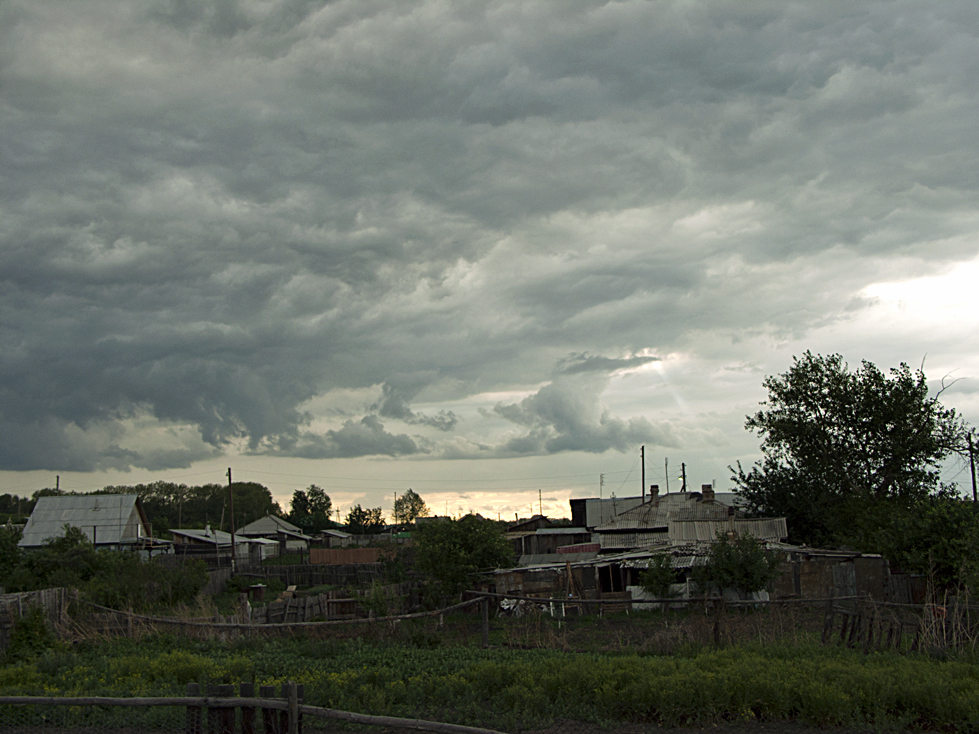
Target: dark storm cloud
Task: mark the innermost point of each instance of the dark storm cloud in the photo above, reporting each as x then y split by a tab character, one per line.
565	415
213	214
398	392
365	437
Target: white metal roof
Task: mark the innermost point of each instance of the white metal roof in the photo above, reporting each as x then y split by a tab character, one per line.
218	537
104	518
267	525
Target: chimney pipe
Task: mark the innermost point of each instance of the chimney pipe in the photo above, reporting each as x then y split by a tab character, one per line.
653	492
707	490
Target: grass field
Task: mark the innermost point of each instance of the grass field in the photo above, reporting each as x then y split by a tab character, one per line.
417	674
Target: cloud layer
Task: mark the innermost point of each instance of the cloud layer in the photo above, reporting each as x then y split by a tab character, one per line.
216	217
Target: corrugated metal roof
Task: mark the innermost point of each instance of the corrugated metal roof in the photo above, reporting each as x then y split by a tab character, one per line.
218	537
658	512
104	518
600	510
702	511
637	539
768	528
268	524
563	531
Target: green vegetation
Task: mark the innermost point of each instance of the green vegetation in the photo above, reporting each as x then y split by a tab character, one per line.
170	505
659	576
852	457
740	563
364	522
453	553
523	689
310	509
115	579
408	507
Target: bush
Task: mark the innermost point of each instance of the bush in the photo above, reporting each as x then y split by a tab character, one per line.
659	576
117	579
31	635
737	563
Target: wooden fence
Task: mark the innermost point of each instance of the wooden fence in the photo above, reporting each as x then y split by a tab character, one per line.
306	609
348	556
54	603
932	628
220	712
350	574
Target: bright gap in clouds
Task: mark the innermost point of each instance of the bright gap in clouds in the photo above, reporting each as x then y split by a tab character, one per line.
933	301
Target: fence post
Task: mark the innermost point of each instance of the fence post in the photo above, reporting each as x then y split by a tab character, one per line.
293	695
193	712
828	620
718	608
213	724
225	716
247	712
843	628
270	717
484	611
856	625
301	698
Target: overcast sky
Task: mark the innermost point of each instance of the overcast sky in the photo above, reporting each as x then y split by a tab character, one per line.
477	249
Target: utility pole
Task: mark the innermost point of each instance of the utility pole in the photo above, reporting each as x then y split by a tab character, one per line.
57	483
666	468
601	483
395	510
231	504
683	476
642	485
540	502
972	466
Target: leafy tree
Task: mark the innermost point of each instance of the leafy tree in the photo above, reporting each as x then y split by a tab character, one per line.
834	437
170	505
408	507
659	576
738	563
936	536
14	508
453	553
311	509
11	555
365	522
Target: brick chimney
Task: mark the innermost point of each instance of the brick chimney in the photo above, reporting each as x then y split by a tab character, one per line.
653	492
707	490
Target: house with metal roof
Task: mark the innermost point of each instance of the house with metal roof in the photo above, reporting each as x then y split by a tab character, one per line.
682	517
210	544
108	520
290	537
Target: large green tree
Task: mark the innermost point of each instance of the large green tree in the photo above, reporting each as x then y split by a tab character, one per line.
362	521
844	444
311	508
453	553
408	507
170	505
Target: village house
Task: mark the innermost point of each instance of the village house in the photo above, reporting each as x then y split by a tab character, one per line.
289	537
112	521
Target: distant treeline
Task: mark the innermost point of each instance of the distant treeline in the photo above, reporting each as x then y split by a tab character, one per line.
170	505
